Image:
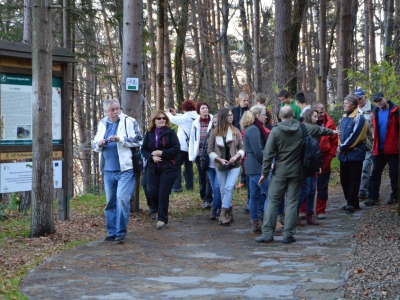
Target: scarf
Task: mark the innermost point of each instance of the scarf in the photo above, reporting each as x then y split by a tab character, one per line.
157	133
264	134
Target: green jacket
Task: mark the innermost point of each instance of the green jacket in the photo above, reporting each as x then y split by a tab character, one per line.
284	144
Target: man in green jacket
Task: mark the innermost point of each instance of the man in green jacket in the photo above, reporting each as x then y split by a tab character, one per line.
284	144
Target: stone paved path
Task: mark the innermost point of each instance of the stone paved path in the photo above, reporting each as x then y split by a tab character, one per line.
198	259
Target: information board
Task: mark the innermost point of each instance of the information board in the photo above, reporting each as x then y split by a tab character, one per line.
16	110
17	177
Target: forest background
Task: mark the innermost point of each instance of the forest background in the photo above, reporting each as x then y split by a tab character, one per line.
211	50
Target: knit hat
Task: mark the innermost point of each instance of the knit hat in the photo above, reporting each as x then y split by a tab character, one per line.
353	98
378	96
359	92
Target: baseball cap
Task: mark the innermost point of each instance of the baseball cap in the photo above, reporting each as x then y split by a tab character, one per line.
378	96
352	98
359	92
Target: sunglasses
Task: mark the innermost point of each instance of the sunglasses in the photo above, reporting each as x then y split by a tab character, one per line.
161	118
377	100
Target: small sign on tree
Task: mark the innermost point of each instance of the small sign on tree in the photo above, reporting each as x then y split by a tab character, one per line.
132	84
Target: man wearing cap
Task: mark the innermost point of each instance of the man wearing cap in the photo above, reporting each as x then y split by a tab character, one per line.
385	119
365	108
351	151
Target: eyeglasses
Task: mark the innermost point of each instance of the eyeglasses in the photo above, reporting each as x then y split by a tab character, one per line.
230	115
161	118
377	100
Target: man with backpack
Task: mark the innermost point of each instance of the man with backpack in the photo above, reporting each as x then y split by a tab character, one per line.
284	144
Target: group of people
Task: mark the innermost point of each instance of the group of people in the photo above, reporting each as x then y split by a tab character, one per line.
244	141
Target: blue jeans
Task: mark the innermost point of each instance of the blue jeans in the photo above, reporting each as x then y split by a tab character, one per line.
119	188
227	181
257	196
307	192
366	173
212	175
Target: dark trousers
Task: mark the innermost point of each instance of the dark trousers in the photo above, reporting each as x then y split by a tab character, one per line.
380	162
144	184
322	191
350	178
187	173
204	183
159	185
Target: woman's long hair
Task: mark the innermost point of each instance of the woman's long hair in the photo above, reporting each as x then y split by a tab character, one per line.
307	116
155	114
222	125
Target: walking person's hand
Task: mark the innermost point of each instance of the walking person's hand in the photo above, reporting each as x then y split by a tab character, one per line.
262	178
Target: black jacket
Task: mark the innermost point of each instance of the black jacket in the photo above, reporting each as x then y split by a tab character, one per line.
169	145
238	112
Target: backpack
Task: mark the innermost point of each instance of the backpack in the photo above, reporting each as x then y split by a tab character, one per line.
311	156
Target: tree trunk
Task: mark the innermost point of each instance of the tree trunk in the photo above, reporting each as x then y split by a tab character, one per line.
181	29
322	51
226	55
282	46
169	92
153	60
298	12
160	55
132	67
246	43
42	220
27	34
366	39
256	48
372	32
389	22
345	35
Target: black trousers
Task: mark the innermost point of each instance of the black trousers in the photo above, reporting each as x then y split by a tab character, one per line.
159	185
380	162
204	183
350	178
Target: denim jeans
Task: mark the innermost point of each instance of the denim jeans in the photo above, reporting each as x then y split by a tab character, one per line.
227	181
119	188
307	192
257	196
366	173
212	176
159	185
187	173
204	183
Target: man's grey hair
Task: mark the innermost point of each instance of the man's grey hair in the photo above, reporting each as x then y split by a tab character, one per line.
243	95
108	102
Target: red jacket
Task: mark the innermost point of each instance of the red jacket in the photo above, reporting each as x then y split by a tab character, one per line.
392	133
328	144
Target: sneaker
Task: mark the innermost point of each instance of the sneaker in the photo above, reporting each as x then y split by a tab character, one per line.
288	240
160	225
207	205
110	238
240	185
321	217
302	215
371	202
392	201
349	208
120	239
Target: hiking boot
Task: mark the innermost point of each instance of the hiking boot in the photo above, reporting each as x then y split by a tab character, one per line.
371	202
223	218
299	221
110	238
218	212
230	214
392	201
213	214
281	219
255	226
120	239
310	219
264	239
362	196
160	225
302	215
321	217
289	239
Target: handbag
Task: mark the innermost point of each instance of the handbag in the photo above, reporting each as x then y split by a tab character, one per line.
137	158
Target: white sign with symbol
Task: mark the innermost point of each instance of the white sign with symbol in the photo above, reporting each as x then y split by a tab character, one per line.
132	84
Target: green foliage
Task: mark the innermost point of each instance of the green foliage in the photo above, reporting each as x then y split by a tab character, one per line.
382	77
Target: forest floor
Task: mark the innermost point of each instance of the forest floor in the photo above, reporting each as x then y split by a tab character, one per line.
345	257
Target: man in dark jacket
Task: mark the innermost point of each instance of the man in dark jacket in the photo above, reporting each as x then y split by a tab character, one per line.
385	120
238	112
284	144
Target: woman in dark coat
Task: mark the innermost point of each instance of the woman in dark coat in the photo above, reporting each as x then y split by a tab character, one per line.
160	148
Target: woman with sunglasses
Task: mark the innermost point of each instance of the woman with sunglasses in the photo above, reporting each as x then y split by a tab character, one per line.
160	147
225	148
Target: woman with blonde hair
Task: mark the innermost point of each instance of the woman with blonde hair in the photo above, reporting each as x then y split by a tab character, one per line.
160	148
225	148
